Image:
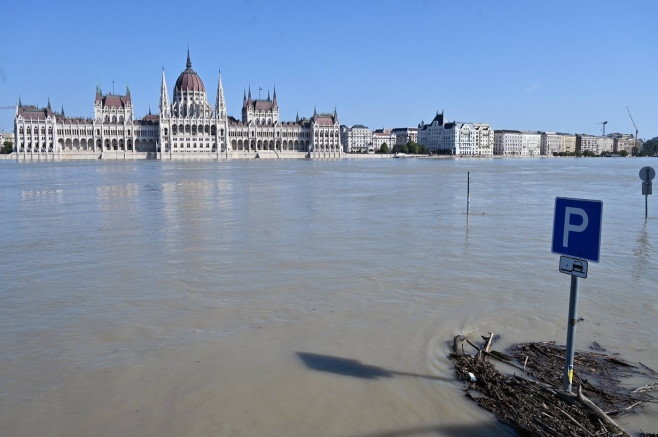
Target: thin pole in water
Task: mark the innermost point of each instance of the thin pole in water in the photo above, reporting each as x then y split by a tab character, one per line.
468	193
571	334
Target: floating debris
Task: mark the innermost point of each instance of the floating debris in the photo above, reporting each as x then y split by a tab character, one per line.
534	404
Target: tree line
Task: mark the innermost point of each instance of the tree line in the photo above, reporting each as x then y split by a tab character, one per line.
411	148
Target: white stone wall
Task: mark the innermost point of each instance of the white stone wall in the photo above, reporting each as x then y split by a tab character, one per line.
530	144
508	143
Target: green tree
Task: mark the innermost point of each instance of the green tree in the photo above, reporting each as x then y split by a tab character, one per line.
650	148
6	147
623	153
413	147
384	148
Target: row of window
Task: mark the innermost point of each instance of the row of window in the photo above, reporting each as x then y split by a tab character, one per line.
29	130
193	146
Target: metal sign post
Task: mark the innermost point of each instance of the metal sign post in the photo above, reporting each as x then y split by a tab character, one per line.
571	334
647	174
576	234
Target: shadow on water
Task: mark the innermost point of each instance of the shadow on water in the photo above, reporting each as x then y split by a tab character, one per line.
354	368
442	430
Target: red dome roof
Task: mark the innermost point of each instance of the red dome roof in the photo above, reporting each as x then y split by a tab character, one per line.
189	80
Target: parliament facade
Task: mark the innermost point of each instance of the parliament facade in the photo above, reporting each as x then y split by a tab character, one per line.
187	127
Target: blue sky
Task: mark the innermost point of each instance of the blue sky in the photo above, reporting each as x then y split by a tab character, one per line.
530	65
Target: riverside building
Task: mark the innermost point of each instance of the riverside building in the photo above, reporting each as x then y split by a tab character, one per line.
622	142
594	144
381	137
567	143
551	143
456	138
186	127
405	134
356	139
517	143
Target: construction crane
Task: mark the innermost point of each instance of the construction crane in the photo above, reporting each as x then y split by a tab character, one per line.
603	123
629	114
7	107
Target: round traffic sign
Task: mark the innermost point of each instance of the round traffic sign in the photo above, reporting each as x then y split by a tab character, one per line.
647	173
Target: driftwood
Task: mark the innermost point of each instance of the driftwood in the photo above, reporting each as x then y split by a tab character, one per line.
535	404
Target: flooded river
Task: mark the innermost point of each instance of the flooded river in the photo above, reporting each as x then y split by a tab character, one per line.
299	298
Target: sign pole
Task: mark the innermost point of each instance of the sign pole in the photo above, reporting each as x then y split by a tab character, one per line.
647	174
571	334
468	192
576	234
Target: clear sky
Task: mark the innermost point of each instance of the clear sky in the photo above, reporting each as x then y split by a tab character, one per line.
529	65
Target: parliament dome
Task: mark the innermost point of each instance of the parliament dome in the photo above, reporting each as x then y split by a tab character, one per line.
189	80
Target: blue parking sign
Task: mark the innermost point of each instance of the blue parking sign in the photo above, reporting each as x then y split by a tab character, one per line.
577	228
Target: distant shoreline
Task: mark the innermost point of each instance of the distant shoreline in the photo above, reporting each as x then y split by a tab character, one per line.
94	157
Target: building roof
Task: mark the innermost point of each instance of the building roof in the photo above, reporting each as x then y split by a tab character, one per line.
114	101
263	105
324	119
188	79
34	113
439	118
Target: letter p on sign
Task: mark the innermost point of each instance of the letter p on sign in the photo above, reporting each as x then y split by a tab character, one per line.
570	227
577	228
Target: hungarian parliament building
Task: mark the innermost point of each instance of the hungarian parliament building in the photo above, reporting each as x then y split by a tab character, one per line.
187	127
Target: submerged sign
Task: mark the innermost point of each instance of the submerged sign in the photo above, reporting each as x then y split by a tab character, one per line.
577	228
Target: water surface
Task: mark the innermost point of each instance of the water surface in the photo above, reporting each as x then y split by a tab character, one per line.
298	298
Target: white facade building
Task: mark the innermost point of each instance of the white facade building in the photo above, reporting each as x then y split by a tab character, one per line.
381	137
516	143
459	137
587	143
42	133
484	140
356	139
594	144
530	143
508	143
605	144
456	138
431	135
186	127
404	134
551	143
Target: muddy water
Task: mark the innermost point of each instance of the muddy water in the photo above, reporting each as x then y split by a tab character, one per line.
298	298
